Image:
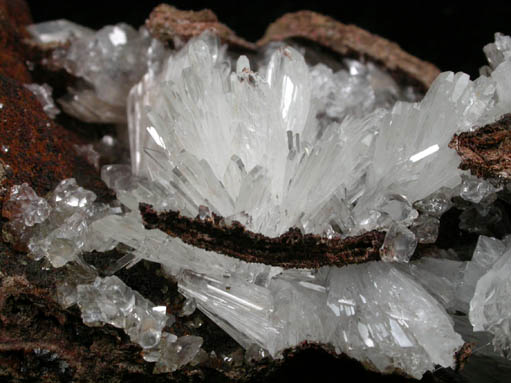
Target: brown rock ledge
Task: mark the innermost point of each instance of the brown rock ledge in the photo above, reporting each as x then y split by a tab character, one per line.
350	40
290	250
167	23
486	152
170	24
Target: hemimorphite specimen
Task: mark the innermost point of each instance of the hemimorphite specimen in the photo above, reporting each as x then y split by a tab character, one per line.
274	145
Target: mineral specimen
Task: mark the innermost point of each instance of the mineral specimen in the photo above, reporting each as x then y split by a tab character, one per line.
274	145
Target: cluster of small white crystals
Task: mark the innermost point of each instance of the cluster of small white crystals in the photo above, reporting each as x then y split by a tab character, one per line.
24	208
110	61
110	300
284	147
64	233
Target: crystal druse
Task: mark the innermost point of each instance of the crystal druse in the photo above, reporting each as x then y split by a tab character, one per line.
273	143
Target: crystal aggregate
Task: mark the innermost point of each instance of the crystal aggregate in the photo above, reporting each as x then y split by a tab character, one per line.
286	145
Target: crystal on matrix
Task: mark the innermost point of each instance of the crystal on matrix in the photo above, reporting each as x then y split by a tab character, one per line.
24	209
66	233
275	143
399	244
25	205
178	352
109	300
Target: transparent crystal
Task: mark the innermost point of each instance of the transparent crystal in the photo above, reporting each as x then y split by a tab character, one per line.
475	189
498	51
286	147
66	234
177	353
188	308
435	204
399	244
25	205
426	229
109	300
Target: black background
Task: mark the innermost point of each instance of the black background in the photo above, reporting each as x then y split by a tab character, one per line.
451	36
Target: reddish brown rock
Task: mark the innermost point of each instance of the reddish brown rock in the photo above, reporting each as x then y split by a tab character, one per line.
349	40
16	12
486	151
168	23
290	250
14	15
34	149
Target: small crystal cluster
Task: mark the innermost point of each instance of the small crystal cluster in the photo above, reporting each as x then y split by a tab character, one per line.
24	209
109	61
109	300
275	144
65	233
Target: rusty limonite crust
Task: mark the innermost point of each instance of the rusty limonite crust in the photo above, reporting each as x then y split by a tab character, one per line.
350	40
168	23
486	151
290	250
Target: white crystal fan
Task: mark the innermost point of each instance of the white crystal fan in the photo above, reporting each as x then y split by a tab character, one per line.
240	142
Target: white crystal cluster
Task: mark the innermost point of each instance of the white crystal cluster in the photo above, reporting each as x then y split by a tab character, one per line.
290	145
109	300
109	61
64	232
479	288
257	143
24	209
